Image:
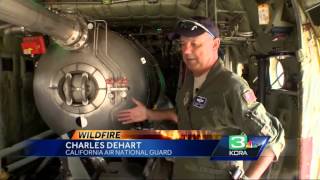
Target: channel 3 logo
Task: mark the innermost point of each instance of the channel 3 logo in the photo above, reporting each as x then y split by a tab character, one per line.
240	142
237	142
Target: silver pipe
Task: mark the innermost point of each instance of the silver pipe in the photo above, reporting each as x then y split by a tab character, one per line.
37	18
14	29
4	26
43	164
314	6
5	152
228	11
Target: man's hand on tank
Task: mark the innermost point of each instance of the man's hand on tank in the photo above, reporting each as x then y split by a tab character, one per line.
133	115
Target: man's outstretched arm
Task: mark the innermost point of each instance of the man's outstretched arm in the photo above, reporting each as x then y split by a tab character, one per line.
257	168
141	113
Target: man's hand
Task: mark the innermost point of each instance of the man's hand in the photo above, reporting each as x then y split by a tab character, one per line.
133	115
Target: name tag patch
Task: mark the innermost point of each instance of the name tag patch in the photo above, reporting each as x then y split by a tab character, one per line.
199	102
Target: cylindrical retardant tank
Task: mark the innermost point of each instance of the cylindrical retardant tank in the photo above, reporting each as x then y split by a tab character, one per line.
86	87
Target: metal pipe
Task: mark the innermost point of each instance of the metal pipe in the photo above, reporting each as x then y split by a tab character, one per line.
23	144
35	17
231	11
43	164
314	6
14	29
5	26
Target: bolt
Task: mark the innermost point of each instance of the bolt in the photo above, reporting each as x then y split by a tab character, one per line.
90	26
111	96
123	94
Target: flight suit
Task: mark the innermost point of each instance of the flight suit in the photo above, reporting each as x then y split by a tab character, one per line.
224	103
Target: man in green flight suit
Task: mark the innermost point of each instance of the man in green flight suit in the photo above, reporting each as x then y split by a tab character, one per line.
213	98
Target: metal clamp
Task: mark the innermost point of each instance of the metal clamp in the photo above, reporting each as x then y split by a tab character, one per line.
67	89
236	173
84	80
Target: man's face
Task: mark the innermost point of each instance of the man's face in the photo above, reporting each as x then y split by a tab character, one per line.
199	53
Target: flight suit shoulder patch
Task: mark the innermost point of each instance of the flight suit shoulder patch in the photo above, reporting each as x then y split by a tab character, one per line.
249	96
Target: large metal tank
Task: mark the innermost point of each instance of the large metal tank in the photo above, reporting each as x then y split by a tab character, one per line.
93	73
87	87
